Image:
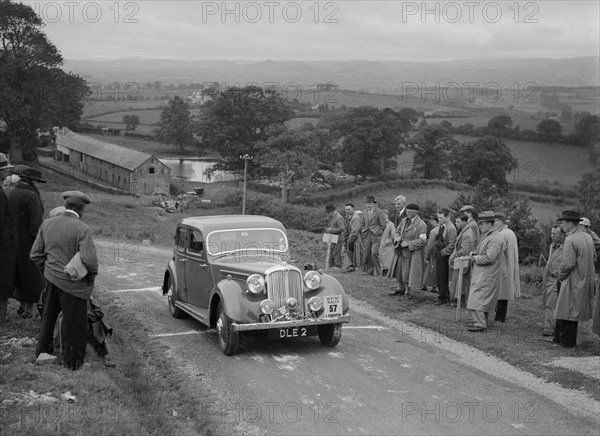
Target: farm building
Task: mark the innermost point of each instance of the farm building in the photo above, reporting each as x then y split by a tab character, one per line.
127	169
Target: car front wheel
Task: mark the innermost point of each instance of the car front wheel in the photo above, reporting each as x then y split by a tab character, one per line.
176	312
330	334
229	340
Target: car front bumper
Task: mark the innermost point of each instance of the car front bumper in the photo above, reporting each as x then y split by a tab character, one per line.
285	324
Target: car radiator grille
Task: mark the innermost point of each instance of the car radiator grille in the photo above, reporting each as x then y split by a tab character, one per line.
283	284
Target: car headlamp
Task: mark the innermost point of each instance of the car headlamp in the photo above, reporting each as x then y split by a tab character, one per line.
312	280
315	304
255	283
267	307
291	303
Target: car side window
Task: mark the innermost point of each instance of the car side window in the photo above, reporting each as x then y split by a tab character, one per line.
180	238
196	243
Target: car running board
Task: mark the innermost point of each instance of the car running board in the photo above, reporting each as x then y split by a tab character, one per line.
195	312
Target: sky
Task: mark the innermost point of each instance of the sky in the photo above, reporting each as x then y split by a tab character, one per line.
322	30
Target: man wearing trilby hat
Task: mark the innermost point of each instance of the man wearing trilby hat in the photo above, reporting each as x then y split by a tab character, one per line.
372	227
576	281
26	208
485	276
62	241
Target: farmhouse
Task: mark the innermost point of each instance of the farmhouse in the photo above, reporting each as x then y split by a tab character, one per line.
122	167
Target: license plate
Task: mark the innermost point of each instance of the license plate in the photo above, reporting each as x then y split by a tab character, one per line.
293	332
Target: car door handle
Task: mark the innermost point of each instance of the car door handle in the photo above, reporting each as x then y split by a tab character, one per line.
182	260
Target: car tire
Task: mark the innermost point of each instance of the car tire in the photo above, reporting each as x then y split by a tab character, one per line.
229	341
330	334
176	312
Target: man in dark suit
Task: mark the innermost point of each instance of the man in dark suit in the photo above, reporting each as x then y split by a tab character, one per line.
59	239
372	227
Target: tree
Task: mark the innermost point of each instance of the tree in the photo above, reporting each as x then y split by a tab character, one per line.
131	122
284	152
371	138
488	157
549	130
500	125
238	118
35	92
589	197
175	125
588	129
431	146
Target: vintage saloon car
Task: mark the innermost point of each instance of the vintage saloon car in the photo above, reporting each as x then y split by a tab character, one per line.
230	272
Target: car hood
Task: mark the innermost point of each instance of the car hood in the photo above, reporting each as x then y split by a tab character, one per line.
249	267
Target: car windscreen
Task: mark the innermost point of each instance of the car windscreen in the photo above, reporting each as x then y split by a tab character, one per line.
242	240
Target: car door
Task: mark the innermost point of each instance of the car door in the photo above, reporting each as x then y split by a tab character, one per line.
180	259
197	271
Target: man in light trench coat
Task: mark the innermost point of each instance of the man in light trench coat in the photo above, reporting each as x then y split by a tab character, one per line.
510	283
486	272
576	281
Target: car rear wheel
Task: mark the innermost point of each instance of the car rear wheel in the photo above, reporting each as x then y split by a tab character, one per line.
330	334
176	312
229	341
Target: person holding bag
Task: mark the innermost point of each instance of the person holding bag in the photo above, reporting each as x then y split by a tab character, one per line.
61	239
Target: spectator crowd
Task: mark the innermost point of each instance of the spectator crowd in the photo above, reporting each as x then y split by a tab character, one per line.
470	258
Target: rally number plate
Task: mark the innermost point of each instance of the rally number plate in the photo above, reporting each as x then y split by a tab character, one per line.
293	332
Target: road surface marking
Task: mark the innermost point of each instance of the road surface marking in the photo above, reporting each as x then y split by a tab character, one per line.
368	327
165	335
155	288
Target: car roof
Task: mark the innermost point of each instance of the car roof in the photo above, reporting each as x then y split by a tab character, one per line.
223	222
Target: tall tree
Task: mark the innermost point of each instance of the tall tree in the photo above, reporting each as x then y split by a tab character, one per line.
431	146
488	157
131	122
175	125
588	129
238	118
371	137
35	92
549	130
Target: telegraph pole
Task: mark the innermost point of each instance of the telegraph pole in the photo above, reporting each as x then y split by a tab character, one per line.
246	157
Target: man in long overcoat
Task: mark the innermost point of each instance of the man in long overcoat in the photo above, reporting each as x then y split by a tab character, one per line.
485	278
549	292
510	283
463	246
372	227
27	211
407	265
7	245
471	214
429	275
352	238
335	226
445	239
576	275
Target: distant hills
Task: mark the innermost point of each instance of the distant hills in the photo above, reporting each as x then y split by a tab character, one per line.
354	75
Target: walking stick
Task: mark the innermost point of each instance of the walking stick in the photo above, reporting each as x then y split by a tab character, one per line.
460	264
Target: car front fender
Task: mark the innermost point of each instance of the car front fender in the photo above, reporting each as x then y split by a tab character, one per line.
239	304
329	287
170	272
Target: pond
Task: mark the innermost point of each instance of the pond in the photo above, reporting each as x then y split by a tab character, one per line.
193	170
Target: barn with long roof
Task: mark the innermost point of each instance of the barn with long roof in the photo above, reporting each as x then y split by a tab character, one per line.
122	167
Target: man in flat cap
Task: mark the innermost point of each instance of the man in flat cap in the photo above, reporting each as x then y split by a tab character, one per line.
469	211
25	205
372	227
585	226
576	281
510	283
485	276
335	226
410	239
60	238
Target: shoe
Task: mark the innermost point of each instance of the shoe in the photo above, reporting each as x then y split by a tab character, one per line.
396	292
476	329
453	304
349	269
440	302
423	288
547	334
408	296
26	315
434	290
20	311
